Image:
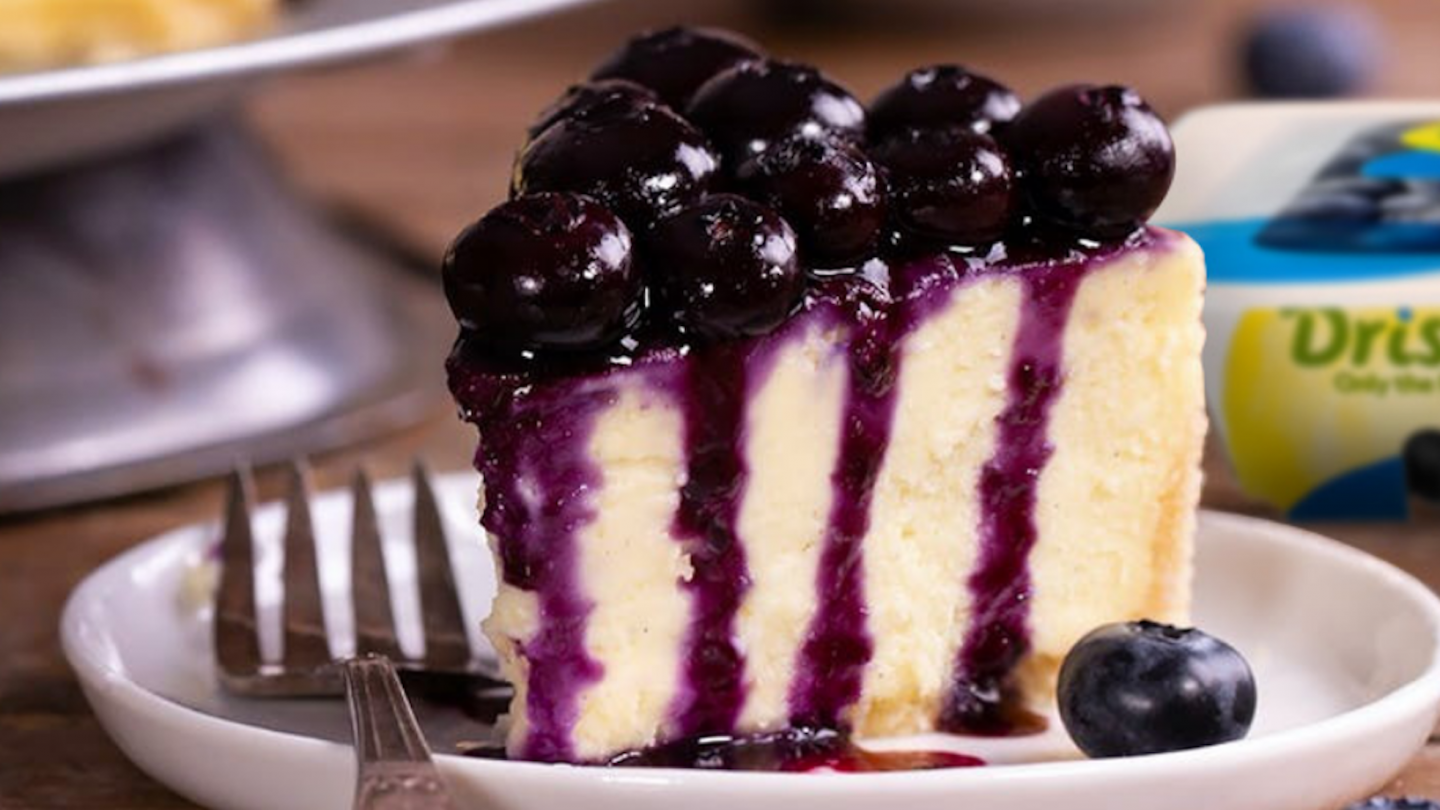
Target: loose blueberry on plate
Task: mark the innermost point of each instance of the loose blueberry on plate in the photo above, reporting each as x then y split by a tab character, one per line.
643	162
942	96
829	191
1096	159
951	185
1422	464
1387	803
594	98
1146	688
549	271
724	268
756	103
674	62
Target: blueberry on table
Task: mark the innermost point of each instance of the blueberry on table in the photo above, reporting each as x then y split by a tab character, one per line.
644	162
1422	464
1146	688
952	185
596	98
724	268
829	191
1318	52
549	271
674	62
1386	803
756	103
1096	159
942	96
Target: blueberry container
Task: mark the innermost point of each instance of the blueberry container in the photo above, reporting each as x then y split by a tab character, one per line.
1321	229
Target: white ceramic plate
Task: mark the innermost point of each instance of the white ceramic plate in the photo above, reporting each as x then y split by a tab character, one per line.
60	115
1346	650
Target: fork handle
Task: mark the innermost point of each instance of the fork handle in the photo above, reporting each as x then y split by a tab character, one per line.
394	769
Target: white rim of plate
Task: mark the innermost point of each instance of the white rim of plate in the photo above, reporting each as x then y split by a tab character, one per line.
276	51
1412	697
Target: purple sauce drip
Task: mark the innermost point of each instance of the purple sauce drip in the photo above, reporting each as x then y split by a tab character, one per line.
983	701
831	666
538	478
713	397
838	645
793	750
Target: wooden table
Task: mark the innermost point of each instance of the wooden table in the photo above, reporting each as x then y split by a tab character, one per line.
424	144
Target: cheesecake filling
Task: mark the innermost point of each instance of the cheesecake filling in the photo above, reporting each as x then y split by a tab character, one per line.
853	662
983	699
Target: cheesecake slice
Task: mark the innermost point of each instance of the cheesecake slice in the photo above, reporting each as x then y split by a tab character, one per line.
865	447
733	541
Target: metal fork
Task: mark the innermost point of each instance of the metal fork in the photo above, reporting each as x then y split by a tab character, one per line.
395	770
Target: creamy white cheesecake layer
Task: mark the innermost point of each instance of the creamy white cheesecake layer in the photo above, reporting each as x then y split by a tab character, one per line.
630	566
796	410
922	540
1115	505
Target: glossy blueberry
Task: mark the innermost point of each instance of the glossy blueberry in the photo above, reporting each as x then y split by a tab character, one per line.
643	162
756	103
549	271
1388	803
675	61
1145	688
1422	464
597	98
724	268
829	191
1312	52
942	96
951	185
1096	159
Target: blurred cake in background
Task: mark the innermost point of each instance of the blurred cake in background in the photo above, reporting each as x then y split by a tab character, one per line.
44	34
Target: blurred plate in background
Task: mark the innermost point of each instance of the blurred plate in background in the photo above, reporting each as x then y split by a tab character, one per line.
58	116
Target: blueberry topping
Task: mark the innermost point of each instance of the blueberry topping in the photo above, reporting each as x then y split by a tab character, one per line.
829	191
1096	159
597	98
1422	464
950	185
643	162
549	271
1317	52
1146	688
676	61
756	103
724	268
1387	803
939	97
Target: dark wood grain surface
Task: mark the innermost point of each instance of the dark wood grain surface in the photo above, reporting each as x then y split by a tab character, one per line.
421	144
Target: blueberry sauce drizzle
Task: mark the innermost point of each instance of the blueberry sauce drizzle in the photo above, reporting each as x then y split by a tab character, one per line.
983	700
713	397
831	666
538	478
794	750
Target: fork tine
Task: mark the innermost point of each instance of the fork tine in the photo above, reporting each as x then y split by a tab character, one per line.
306	644
237	648
374	618
446	643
